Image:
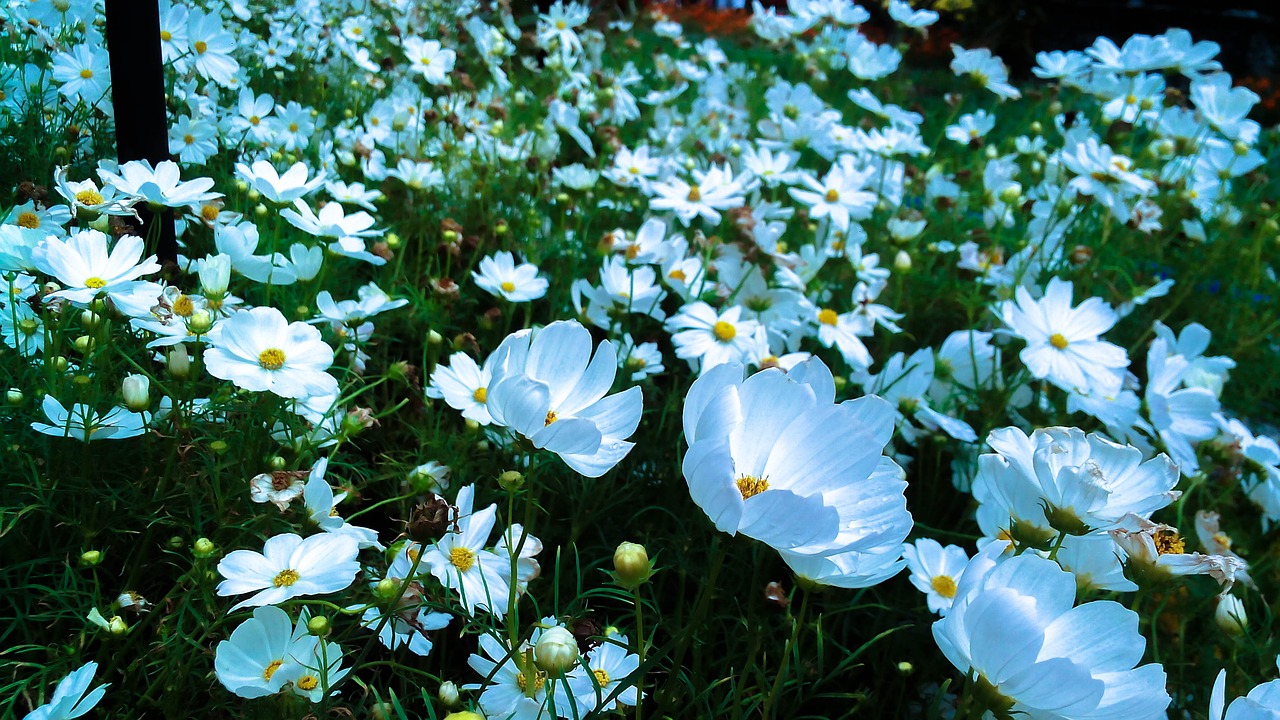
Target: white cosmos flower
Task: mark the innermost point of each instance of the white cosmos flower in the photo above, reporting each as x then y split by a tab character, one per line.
257	660
500	276
280	189
289	566
84	423
774	457
72	698
549	387
1062	341
936	571
260	350
461	563
1014	628
464	386
1262	702
160	185
86	268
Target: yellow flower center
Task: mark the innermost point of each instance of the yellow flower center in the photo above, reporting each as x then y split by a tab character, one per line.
1059	341
633	170
832	195
425	61
89	197
28	220
551	417
165	35
86	73
602	676
695	194
678	274
508	286
308	682
828	316
271	359
750	486
632	252
201	46
188	138
209	213
944	586
539	680
95	282
1168	542
285	578
183	306
271	669
480	395
462	558
560	25
293	127
724	331
254	120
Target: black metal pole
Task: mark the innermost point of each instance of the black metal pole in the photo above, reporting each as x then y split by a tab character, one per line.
137	91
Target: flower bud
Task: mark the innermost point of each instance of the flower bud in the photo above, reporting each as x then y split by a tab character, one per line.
179	361
1230	615
175	542
28	326
200	322
117	626
387	589
90	558
137	392
215	275
631	564
204	548
14	396
556	651
434	338
905	668
464	715
1011	192
58	362
83	344
448	693
90	319
319	626
511	480
902	261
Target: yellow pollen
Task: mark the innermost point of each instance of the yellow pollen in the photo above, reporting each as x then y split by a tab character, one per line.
188	138
254	119
1222	539
271	359
28	220
827	316
633	170
462	558
560	25
285	578
165	35
1130	100
508	286
551	417
944	586
602	676
183	306
308	682
1059	341
677	274
1168	542
95	282
86	73
832	195
480	395
89	197
293	127
750	486
632	252
413	554
695	193
724	331
271	669
209	212
538	681
425	61
201	46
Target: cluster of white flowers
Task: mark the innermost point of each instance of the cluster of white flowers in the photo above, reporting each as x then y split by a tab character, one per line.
751	229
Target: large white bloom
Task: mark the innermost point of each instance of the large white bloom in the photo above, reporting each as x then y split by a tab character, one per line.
1034	655
548	387
72	698
773	456
289	566
260	350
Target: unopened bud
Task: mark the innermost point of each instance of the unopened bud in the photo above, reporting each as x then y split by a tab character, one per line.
58	362
83	344
204	548
90	558
200	322
14	396
276	462
631	564
179	361
137	392
464	715
117	626
1230	615
902	261
511	480
319	626
90	319
556	651
1011	192
448	693
387	589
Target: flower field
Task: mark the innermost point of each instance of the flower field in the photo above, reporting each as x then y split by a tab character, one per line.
660	362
